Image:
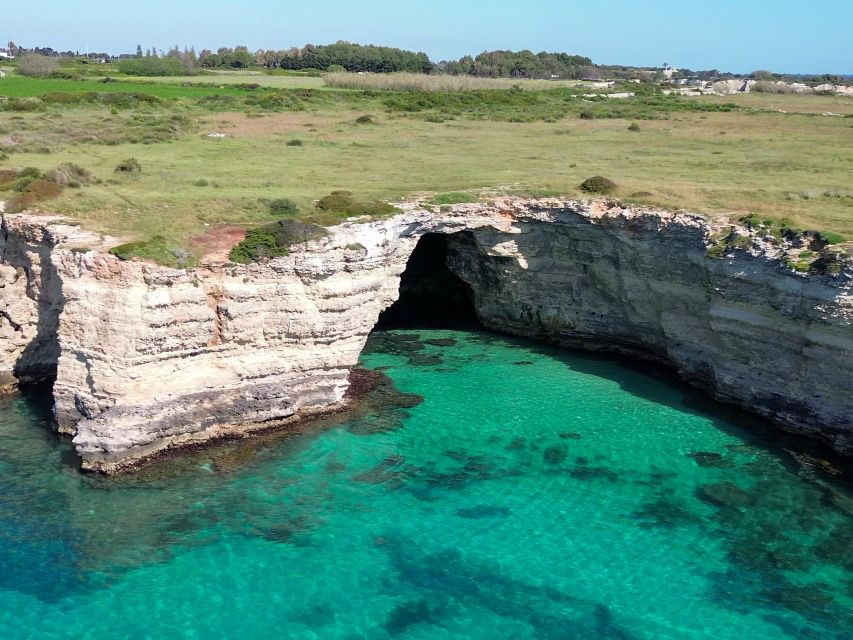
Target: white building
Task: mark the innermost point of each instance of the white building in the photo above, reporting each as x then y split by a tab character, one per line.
6	54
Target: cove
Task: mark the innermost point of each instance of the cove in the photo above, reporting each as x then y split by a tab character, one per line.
510	491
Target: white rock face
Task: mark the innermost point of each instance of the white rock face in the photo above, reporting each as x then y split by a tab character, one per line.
151	358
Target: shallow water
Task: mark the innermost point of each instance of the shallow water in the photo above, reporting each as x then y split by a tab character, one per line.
532	494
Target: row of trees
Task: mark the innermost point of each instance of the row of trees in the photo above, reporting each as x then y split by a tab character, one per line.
355	57
520	64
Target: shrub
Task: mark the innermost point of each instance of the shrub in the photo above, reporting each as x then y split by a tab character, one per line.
830	237
69	174
344	202
598	184
336	201
276	101
36	66
201	182
283	207
455	197
154	66
642	194
156	249
365	119
294	143
35	191
130	165
587	114
335	68
274	240
633	127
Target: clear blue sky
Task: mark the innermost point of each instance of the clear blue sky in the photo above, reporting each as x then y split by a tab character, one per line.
797	36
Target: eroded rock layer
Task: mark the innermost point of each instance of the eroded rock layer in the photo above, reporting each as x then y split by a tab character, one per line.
149	357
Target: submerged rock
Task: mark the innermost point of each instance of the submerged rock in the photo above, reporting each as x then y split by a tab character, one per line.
555	455
709	459
483	511
725	494
440	342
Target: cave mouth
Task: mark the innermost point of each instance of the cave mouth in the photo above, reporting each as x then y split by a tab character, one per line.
431	295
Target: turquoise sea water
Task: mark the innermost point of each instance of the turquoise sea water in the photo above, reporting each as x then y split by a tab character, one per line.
533	493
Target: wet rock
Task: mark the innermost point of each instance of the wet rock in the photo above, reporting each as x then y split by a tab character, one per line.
725	494
524	363
570	436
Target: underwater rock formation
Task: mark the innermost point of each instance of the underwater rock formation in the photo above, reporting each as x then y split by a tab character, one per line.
148	357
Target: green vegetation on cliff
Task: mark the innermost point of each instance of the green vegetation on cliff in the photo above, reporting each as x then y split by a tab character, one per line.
217	150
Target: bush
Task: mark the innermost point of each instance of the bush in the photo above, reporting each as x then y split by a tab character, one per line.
294	143
130	165
69	174
276	101
830	237
156	249
365	119
283	207
154	66
344	202
598	184
455	197
586	114
274	240
35	191
36	66
633	127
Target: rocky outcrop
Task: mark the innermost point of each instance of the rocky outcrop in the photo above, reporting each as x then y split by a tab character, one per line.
30	300
151	358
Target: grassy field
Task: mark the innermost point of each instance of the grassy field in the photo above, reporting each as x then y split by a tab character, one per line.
795	165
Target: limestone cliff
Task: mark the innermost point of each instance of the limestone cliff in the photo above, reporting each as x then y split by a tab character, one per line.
149	357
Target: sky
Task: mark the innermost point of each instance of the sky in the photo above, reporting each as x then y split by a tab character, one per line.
792	36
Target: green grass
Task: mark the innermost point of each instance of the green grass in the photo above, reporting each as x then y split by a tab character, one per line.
693	154
21	87
455	197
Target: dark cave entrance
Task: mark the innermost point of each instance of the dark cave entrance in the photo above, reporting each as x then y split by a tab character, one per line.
431	295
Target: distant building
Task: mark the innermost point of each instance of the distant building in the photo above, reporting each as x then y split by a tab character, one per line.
6	54
668	72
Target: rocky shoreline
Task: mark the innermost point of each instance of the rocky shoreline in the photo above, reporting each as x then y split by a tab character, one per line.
147	358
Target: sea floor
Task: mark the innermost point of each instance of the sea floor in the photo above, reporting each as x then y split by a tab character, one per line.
522	492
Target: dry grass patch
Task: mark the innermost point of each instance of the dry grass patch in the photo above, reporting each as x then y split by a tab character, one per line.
435	83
